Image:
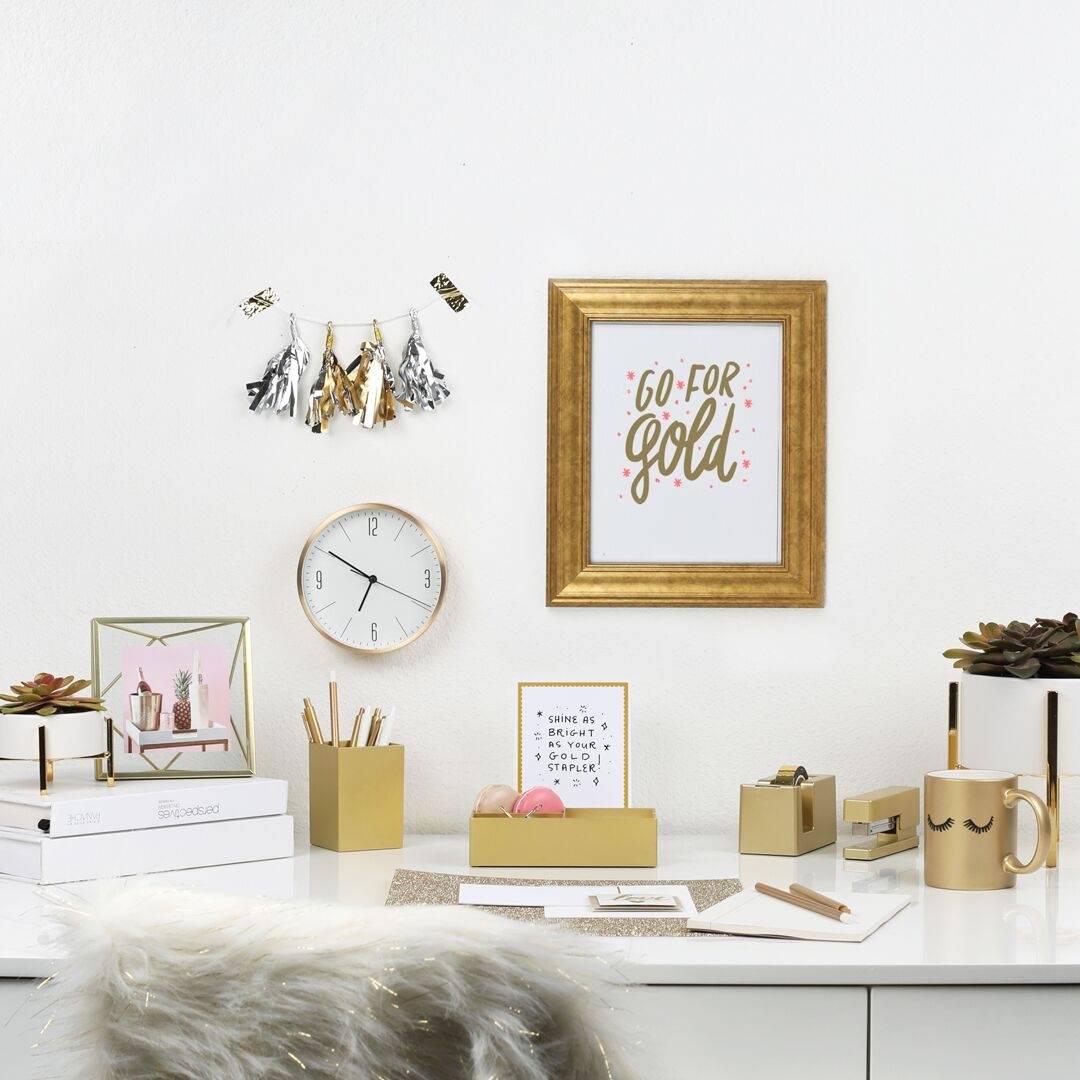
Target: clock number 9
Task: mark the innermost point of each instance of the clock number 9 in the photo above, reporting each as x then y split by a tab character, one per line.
318	579
427	579
374	631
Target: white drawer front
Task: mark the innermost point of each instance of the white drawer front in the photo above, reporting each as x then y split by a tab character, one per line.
983	1032
706	1032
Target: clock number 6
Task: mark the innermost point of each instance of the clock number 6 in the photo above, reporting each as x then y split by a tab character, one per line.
374	631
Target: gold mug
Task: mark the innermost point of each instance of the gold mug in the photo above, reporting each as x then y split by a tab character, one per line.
970	835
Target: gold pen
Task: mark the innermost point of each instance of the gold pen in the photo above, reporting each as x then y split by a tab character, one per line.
335	733
314	719
819	898
830	910
376	723
307	725
354	741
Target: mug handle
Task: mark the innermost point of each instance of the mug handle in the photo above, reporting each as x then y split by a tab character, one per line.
1042	818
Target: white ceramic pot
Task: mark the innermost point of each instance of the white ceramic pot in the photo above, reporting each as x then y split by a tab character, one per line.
1003	724
67	735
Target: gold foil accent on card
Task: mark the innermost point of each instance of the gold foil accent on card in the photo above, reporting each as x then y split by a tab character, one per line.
261	301
453	296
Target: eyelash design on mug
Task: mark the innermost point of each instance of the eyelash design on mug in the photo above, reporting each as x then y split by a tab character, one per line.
972	827
948	823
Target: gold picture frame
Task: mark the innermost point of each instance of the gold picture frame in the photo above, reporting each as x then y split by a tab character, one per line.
108	637
797	579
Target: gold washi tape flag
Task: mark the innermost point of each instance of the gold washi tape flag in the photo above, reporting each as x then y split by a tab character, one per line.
449	292
259	302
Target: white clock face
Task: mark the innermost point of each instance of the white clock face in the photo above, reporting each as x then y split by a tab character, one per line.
371	578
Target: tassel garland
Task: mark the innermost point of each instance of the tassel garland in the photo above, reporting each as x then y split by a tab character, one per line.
367	390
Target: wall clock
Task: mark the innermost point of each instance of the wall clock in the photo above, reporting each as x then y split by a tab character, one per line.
371	577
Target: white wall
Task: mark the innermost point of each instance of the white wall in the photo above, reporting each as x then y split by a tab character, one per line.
162	160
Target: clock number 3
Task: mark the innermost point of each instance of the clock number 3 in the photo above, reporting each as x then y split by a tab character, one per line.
427	579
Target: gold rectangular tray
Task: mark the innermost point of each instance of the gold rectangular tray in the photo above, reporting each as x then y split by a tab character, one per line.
579	837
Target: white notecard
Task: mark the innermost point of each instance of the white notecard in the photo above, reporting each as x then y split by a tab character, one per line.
524	895
572	901
587	911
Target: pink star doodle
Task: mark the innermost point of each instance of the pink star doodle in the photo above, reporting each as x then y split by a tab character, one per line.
746	463
680	384
630	375
747	403
626	472
666	415
677	482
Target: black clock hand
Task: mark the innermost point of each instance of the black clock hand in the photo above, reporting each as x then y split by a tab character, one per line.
371	581
370	577
400	593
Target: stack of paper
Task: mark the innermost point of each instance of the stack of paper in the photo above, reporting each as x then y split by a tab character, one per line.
755	914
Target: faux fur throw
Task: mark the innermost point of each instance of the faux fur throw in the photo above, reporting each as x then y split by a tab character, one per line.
175	983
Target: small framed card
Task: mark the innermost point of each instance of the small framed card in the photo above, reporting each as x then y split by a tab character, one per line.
575	739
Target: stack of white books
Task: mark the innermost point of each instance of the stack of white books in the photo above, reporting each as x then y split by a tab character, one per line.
84	829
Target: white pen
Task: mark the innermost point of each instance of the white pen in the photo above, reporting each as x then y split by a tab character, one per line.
365	727
386	727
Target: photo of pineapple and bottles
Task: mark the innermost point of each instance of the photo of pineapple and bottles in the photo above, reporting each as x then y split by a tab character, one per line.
172	703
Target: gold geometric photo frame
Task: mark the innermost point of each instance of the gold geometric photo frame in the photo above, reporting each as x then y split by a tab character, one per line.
155	750
578	310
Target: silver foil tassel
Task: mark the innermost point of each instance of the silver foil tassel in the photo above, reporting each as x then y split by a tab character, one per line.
421	382
279	386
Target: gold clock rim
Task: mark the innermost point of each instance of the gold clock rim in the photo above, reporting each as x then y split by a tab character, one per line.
424	528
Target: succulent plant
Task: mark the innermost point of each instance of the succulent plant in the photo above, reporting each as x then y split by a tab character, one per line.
46	694
1043	649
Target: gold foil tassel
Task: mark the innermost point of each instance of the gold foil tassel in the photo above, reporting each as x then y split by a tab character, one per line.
373	382
330	391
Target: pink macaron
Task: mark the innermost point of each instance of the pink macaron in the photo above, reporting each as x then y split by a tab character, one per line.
495	797
538	800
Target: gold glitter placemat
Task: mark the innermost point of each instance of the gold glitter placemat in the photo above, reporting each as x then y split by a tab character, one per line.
420	887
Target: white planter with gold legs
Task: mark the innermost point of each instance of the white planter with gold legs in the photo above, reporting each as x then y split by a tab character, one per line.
1026	726
64	735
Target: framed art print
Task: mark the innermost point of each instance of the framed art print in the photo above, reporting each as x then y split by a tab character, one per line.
574	737
178	695
686	443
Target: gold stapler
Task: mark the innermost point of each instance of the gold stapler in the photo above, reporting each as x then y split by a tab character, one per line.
888	817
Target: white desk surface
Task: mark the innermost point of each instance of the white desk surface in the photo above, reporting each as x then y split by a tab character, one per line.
1030	934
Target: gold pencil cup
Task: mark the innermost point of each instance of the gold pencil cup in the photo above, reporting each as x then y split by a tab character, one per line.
356	796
